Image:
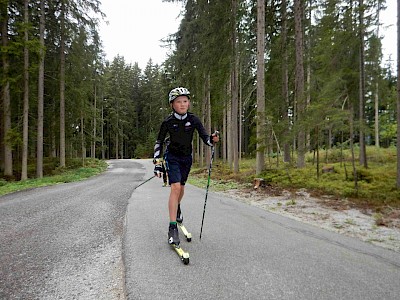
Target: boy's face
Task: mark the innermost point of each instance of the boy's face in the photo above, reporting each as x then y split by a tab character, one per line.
181	105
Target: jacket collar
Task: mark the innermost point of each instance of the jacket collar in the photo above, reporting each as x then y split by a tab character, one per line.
180	117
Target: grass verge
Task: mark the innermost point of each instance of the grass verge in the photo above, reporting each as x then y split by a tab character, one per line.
72	172
375	189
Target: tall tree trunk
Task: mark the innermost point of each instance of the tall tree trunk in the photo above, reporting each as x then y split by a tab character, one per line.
24	169
116	145
53	140
234	122
229	135
235	90
103	154
208	113
225	136
201	146
353	160
317	131
240	139
103	150
1	133
398	94
122	143
8	159
62	86
308	82
39	150
93	154
260	159
83	142
363	152
285	83
376	106
117	132
299	82
377	83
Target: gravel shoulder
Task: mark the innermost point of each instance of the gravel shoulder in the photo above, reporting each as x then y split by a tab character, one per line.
328	213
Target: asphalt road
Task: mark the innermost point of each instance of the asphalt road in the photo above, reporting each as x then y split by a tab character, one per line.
106	238
65	241
246	253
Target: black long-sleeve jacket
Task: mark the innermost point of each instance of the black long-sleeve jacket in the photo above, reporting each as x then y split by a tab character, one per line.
180	130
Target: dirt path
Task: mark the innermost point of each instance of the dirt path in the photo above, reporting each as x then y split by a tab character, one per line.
328	213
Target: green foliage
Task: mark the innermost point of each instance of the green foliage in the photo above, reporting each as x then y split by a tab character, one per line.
215	185
3	182
73	172
131	103
389	132
378	217
13	138
146	148
376	185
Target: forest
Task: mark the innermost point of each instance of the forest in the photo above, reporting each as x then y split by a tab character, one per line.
276	78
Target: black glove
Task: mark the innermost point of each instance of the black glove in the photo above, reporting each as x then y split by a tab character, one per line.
158	170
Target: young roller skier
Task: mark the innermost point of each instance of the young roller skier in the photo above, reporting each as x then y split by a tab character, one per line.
180	126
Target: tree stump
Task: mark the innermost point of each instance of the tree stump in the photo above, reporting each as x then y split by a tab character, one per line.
328	169
257	182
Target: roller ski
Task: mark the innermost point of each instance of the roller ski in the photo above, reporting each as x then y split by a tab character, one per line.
179	221
173	240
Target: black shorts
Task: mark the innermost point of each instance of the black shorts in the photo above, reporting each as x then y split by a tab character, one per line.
178	167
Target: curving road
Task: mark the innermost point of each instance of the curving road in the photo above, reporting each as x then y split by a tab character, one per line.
65	241
247	253
106	238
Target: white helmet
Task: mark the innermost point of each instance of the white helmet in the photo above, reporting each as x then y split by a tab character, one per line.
176	92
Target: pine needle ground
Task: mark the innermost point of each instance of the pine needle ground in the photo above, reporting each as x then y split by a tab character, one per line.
374	192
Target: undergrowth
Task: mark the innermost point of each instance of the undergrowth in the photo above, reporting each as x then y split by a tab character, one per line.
376	185
53	174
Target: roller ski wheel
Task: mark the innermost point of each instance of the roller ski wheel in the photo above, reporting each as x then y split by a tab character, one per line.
179	220
184	256
185	232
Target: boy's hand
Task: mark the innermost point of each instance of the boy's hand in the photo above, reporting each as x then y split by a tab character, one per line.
158	168
215	137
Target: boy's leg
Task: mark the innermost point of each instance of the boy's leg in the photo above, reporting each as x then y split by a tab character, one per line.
173	235
179	216
185	165
175	197
181	194
178	171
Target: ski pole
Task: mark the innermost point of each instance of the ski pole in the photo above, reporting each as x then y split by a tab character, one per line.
208	184
145	181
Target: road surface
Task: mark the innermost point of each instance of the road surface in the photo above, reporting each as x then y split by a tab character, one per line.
247	253
106	238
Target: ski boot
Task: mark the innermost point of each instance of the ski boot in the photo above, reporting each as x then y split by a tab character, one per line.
173	235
